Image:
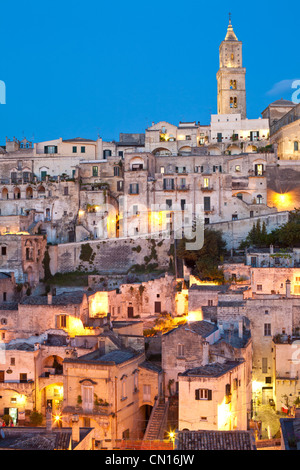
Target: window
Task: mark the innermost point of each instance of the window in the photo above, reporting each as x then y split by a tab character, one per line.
203	394
206	201
95	171
206	220
123	391
116	170
3	250
168	184
23	378
157	307
188	137
259	199
146	392
106	153
268	380
210	303
74	149
219	137
63	321
182	204
267	329
50	149
237	168
136	381
87	397
12	361
232	84
4	296
162	169
296	146
264	365
169	203
206	183
134	188
180	350
234	217
259	287
82	149
120	153
120	186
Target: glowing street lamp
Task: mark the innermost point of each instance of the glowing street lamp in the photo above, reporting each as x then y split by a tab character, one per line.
172	436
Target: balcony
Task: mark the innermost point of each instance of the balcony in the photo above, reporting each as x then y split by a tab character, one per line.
183	187
207	188
209	210
101	410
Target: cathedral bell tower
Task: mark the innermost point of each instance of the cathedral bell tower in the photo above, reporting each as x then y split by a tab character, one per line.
231	76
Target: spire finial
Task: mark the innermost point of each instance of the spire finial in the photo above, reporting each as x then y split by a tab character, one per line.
229	14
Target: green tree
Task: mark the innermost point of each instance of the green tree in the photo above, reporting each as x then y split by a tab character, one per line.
204	262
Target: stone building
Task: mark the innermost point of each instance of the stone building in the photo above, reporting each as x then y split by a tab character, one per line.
110	392
214	397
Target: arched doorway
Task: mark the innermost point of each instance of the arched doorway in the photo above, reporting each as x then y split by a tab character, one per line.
4	193
29	193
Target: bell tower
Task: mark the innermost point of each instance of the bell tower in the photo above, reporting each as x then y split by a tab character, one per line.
231	76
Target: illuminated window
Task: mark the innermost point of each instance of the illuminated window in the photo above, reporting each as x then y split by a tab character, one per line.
206	183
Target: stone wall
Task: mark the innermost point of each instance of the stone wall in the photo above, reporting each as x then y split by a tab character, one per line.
109	256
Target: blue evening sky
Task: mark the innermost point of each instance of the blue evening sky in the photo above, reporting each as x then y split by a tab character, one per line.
87	68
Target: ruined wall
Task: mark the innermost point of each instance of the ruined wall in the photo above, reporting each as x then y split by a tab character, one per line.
109	256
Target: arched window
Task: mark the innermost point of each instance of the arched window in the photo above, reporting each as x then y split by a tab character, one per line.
232	84
296	146
259	199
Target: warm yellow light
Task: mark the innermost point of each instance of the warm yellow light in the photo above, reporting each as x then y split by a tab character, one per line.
99	304
195	315
224	416
282	200
80	213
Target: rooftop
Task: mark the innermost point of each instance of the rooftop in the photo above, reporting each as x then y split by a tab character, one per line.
37	438
66	298
215	369
215	440
202	328
113	357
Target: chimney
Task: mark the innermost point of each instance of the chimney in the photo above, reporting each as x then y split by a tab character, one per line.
241	325
49	419
288	288
75	428
205	353
49	298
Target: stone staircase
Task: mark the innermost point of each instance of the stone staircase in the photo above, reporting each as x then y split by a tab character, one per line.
157	422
